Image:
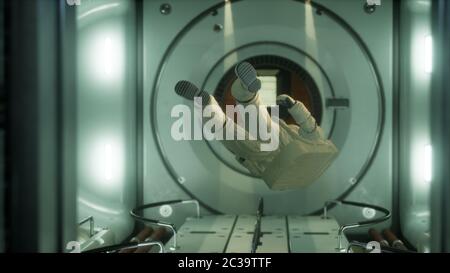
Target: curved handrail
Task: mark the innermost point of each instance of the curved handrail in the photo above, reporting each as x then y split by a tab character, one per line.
134	213
386	216
126	246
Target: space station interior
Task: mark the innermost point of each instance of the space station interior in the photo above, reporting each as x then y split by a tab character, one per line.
90	163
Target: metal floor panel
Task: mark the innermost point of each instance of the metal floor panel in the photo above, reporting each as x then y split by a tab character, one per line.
280	234
313	234
273	228
208	234
201	243
216	223
240	243
274	243
275	235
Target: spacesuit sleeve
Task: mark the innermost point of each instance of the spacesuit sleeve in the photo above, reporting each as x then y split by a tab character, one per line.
308	125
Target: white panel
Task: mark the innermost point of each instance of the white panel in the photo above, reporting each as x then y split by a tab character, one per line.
241	238
275	237
314	234
201	243
211	223
240	243
208	234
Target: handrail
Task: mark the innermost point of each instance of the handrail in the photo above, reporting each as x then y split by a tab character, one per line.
89	219
134	213
386	216
383	249
126	246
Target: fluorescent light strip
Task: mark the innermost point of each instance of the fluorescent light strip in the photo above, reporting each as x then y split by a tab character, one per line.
98	9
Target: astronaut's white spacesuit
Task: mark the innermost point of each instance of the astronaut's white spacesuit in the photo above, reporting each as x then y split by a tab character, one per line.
302	154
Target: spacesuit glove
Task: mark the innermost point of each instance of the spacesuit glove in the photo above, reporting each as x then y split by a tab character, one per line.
285	101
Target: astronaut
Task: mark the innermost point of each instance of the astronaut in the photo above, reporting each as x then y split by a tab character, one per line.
302	154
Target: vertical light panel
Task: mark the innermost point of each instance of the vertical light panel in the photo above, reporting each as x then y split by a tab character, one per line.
415	173
428	54
106	163
106	113
423	53
421	166
427	163
107	56
108	166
